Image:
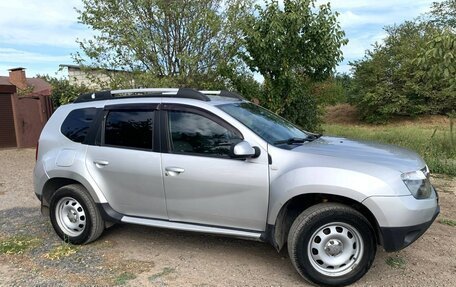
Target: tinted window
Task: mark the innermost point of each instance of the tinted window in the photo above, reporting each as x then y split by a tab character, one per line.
130	128
77	124
195	134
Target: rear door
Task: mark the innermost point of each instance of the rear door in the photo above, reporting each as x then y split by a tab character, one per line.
125	162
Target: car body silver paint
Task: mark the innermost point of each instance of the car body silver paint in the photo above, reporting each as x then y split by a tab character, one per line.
397	158
357	171
401	210
365	172
216	191
40	177
132	180
243	149
52	142
65	158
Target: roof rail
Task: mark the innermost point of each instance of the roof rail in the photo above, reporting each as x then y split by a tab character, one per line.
224	93
147	92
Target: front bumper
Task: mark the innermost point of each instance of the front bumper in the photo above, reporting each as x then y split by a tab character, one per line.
402	219
397	238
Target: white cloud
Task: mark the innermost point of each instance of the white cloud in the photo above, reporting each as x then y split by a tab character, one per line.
344	69
10	55
36	63
50	22
41	13
364	20
357	46
351	19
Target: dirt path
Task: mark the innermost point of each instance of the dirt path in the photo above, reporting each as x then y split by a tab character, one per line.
137	256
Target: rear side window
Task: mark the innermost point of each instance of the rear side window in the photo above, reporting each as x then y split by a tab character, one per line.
129	129
77	124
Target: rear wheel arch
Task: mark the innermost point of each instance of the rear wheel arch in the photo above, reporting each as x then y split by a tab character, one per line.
277	234
53	184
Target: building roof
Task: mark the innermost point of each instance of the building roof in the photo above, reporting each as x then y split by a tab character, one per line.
5	81
39	85
76	67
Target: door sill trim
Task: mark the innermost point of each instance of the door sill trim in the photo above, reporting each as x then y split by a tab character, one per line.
253	235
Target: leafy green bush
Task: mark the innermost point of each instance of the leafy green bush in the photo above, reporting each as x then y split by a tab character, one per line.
332	91
63	92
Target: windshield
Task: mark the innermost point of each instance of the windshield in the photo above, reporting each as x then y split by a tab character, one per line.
264	123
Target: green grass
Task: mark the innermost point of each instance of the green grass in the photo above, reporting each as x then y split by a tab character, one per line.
448	222
395	262
18	244
437	145
123	278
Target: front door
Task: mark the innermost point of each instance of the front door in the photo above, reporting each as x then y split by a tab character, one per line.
125	165
203	184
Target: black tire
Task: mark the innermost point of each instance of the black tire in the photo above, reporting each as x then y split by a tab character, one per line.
85	213
314	236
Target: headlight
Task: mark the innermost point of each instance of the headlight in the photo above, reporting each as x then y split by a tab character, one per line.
418	184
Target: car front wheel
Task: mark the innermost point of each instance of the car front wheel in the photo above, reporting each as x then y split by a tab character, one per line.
331	244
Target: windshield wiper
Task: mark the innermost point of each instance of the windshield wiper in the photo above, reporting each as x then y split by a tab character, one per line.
290	141
293	141
314	136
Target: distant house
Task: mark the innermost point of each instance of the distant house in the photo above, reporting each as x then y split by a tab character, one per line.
90	77
25	106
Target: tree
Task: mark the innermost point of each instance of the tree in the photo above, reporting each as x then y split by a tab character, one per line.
291	47
412	72
438	57
443	13
171	39
384	81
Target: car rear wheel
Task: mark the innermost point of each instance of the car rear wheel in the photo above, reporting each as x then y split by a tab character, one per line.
331	244
74	215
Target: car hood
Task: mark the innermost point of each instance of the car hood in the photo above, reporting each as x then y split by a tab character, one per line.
390	156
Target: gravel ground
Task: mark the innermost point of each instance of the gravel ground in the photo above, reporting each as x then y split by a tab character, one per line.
137	256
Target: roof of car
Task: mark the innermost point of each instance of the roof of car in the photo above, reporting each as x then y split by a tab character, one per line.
211	97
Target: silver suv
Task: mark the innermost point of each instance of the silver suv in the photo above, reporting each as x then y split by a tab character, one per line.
212	162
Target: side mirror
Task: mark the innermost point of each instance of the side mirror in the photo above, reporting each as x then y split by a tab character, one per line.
244	150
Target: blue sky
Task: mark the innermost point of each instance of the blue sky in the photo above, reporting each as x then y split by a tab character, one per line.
41	34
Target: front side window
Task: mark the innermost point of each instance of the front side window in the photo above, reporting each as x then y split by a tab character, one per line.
129	129
191	133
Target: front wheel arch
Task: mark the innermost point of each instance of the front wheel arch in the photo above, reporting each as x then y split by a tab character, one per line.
278	233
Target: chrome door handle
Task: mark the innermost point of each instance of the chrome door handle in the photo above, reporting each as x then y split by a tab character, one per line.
173	171
100	163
